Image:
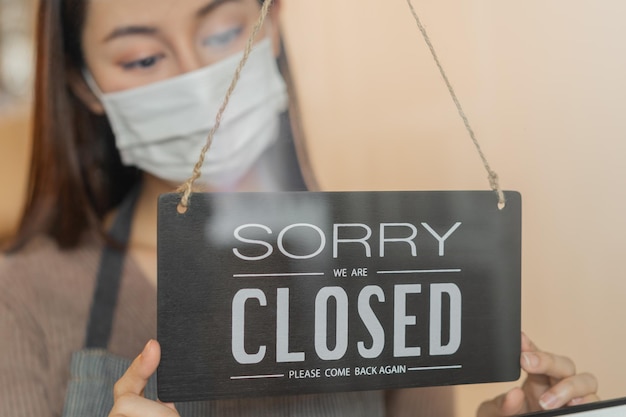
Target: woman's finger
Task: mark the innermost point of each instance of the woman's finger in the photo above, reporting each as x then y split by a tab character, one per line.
136	377
491	408
509	404
528	345
543	363
131	405
591	398
568	390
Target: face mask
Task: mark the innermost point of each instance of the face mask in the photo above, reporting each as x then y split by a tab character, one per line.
162	127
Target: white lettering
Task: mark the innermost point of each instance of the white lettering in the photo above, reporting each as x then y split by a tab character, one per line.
304	373
336	372
342	272
363	240
401	320
408	240
436	292
238	325
341	328
281	246
441	239
438	344
238	236
282	329
371	321
338	228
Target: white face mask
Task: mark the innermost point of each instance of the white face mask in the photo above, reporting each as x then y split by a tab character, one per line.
162	127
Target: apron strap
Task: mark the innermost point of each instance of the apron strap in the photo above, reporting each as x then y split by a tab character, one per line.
109	275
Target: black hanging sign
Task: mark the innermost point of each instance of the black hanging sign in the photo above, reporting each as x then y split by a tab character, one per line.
291	293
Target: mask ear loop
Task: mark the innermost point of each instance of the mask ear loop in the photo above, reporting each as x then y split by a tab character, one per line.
493	177
91	83
186	189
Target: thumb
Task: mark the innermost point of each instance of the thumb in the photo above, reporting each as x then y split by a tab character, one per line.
514	403
143	367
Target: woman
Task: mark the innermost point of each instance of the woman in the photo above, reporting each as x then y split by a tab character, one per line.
124	89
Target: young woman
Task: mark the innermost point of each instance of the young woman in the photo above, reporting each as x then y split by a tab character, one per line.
126	92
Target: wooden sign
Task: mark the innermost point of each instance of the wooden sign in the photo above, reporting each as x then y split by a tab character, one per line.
290	293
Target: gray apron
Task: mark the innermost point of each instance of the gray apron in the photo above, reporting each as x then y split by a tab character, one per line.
94	371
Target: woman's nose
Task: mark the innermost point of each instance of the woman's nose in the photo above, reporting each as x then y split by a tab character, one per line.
189	60
187	55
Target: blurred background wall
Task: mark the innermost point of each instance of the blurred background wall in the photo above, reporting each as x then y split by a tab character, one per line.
14	153
16	58
543	85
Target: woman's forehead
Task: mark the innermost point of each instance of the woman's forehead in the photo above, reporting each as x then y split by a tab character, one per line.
102	15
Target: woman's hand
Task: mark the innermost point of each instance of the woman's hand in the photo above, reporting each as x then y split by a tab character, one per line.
551	383
128	391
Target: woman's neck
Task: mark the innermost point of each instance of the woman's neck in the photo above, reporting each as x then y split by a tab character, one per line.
143	238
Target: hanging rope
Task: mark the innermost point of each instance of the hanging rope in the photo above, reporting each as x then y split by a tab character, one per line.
493	177
187	188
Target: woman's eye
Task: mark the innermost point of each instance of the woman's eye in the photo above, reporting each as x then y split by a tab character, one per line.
223	39
143	63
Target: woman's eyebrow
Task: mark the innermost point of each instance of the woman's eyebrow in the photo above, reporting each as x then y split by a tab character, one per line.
149	30
212	5
130	30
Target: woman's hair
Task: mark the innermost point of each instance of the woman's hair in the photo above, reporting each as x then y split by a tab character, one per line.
76	174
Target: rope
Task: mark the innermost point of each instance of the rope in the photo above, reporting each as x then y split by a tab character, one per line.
493	177
187	187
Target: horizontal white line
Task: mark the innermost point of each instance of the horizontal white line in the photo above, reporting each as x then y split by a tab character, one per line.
258	376
434	368
419	271
301	274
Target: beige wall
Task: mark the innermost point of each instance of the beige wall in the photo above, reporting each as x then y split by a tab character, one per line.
542	82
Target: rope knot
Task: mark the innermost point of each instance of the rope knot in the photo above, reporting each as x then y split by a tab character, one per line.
494	181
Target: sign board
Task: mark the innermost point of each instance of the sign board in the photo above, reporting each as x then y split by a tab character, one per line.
290	293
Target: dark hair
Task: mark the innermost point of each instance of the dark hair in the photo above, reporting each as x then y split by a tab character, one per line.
76	174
